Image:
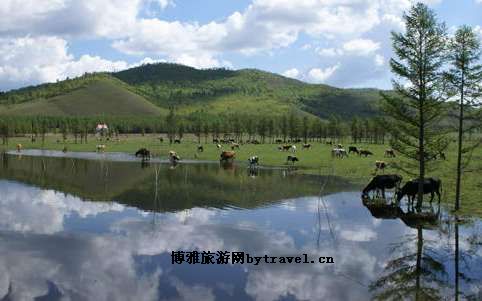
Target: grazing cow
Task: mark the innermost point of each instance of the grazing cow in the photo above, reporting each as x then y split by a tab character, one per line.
178	141
234	146
306	146
353	149
174	157
161	139
291	159
339	153
19	148
227	155
144	153
365	153
279	141
410	189
340	146
390	153
293	148
200	148
218	146
100	148
216	140
64	150
382	182
286	147
253	161
380	165
255	142
329	142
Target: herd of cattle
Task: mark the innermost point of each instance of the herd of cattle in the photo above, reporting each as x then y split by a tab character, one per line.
378	184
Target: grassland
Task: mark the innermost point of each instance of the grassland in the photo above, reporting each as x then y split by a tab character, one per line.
104	96
316	160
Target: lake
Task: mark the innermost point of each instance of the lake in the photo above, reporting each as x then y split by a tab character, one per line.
83	229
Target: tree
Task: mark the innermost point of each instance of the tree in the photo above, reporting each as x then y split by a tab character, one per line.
415	107
465	76
171	124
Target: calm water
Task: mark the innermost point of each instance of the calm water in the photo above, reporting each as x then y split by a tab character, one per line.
75	229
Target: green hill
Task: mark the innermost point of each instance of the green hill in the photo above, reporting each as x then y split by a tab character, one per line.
102	96
151	89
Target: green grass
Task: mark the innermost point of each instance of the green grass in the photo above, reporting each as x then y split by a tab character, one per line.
104	96
316	160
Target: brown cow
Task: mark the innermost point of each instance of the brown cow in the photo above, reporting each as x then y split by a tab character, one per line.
234	146
227	155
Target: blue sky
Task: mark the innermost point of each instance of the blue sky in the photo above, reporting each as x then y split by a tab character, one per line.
344	43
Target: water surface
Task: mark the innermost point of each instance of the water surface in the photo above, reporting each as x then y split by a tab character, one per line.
75	229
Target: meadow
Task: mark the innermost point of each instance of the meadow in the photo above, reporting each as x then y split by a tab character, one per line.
316	160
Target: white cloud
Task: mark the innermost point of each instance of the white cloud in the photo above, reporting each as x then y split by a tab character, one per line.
23	62
379	60
361	47
318	75
293	73
329	52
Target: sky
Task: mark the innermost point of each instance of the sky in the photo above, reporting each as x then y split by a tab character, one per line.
344	43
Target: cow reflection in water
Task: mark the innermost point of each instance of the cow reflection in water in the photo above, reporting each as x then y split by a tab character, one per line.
228	165
427	219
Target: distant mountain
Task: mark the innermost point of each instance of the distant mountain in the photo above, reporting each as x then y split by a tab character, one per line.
151	89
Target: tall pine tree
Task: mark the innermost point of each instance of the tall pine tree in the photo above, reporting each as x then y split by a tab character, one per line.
416	105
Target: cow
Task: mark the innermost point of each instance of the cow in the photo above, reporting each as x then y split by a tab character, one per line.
218	146
365	153
234	146
306	146
389	153
161	139
255	142
339	145
339	153
293	148
100	147
174	157
410	189
286	147
382	182
353	149
291	159
253	161
279	141
19	147
200	148
177	141
227	155
380	165
216	140
144	153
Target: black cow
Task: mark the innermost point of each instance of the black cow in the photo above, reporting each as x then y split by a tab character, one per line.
253	161
144	153
382	182
353	149
200	148
365	153
292	159
177	141
430	185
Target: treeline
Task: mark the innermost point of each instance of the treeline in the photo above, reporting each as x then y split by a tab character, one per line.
266	129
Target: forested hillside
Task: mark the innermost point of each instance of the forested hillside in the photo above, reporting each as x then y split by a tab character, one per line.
152	89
